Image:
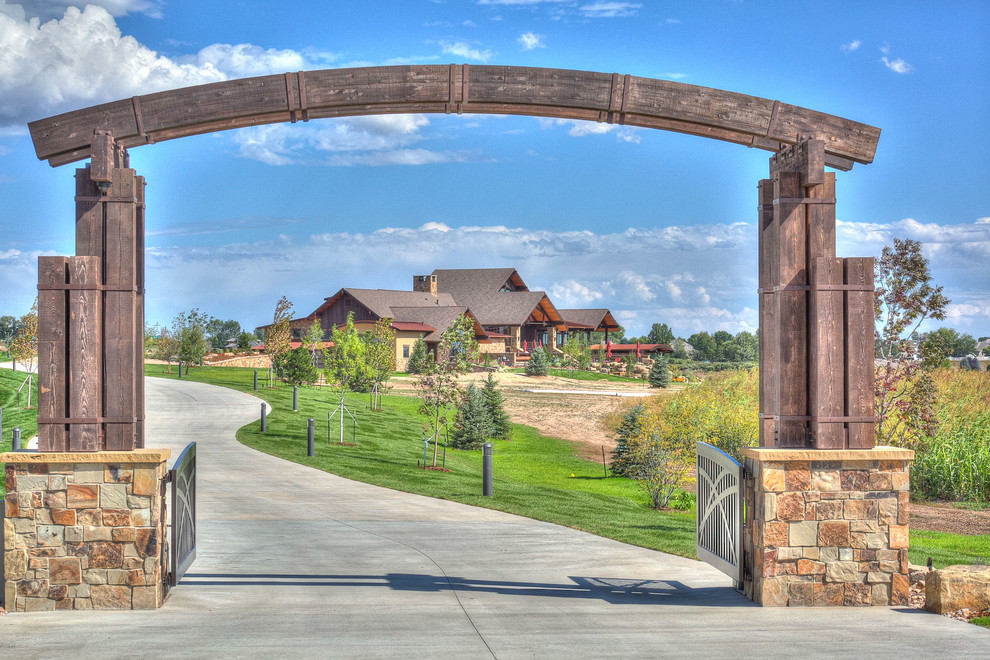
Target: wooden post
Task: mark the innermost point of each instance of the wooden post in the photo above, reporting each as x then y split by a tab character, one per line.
859	352
85	354
792	311
769	268
53	391
827	357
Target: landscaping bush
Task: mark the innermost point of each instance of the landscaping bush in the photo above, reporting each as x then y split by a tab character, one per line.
474	423
659	373
501	426
538	364
419	358
622	460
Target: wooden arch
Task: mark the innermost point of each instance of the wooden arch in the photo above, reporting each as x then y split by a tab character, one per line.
505	90
815	309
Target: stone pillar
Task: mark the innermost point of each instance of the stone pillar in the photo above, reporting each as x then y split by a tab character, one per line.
84	530
827	527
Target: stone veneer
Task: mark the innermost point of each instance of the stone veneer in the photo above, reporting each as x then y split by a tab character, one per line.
827	527
83	530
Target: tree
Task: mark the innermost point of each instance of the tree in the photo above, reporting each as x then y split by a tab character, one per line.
380	356
660	333
189	333
277	335
344	365
244	341
164	346
437	384
502	426
660	372
905	392
622	461
951	343
704	346
576	352
8	325
419	358
220	332
680	349
24	346
313	339
298	368
662	459
473	424
538	364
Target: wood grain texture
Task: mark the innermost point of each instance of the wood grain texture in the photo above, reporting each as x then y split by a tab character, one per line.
768	269
488	89
119	386
138	345
52	349
792	311
859	351
85	353
826	369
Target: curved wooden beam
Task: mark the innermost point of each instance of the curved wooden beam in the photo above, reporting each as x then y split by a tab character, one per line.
506	90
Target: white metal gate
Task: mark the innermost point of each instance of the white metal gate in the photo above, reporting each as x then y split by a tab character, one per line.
720	511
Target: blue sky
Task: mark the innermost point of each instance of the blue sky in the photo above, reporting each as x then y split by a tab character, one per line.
657	226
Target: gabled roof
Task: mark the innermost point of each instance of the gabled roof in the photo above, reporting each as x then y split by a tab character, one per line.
589	319
461	282
381	301
437	318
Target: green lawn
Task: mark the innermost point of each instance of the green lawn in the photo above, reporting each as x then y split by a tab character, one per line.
532	473
534	476
14	414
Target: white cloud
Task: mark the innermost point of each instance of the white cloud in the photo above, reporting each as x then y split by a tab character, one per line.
530	40
674	75
518	2
465	50
897	66
570	293
581	128
610	9
347	141
83	59
851	46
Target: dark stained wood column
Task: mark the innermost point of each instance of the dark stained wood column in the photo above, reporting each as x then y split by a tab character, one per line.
91	315
816	317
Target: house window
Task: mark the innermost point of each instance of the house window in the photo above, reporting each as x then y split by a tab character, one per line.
405	350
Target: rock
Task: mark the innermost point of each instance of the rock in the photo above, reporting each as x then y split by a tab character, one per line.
957	587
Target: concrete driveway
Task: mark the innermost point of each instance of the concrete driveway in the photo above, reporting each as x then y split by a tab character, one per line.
295	563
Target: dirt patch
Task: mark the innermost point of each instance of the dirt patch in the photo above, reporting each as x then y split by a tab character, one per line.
943	517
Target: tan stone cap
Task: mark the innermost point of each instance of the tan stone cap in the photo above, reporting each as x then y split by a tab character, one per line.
135	456
874	454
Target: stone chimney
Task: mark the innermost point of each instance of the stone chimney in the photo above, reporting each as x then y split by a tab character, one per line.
425	284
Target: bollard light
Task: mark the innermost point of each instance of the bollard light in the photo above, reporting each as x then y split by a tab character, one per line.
486	469
295	398
255	380
263	416
15	439
309	437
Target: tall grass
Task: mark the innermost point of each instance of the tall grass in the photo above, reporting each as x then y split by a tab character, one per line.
955	464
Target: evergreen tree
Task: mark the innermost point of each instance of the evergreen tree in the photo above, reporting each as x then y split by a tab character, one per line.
622	459
538	364
473	424
502	427
419	358
298	367
659	372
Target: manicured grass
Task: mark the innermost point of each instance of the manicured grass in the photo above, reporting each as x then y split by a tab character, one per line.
948	549
981	621
577	374
14	415
532	473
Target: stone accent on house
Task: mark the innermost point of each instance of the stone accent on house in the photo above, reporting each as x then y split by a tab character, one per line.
827	527
84	530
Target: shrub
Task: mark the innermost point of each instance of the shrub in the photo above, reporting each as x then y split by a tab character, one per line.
419	358
298	367
622	461
501	426
659	373
473	424
538	364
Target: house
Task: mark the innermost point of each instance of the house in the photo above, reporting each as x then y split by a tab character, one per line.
502	303
510	320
